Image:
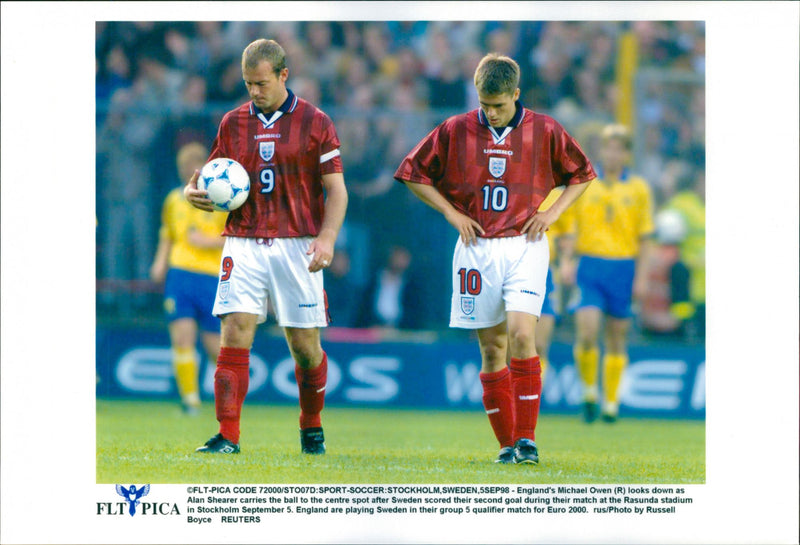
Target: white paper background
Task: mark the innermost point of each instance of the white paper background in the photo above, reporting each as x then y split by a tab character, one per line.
47	468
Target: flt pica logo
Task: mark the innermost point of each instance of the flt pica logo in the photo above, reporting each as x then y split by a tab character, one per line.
132	497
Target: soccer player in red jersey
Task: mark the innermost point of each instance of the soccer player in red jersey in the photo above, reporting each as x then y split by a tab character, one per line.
277	242
487	171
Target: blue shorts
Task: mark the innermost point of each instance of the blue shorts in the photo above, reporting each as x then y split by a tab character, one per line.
549	294
606	284
191	295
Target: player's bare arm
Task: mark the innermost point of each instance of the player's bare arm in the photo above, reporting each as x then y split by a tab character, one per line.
197	197
158	270
540	221
202	240
335	208
567	266
467	227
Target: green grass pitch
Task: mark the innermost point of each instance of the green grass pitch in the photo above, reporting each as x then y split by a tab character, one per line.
153	442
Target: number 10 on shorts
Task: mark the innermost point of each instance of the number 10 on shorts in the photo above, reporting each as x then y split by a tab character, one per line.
470	281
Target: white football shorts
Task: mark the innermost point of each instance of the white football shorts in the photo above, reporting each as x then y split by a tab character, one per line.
254	271
495	276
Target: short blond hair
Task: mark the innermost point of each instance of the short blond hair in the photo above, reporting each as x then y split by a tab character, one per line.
192	150
264	50
619	132
497	75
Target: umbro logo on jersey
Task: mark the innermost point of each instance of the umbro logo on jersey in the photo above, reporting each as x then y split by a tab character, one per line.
529	292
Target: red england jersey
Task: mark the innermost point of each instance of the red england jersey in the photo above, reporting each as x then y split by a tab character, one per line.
286	154
497	176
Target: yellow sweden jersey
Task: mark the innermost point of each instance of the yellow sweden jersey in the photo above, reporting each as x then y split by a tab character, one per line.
611	217
178	219
562	226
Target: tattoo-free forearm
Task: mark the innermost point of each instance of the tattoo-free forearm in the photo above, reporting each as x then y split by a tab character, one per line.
642	259
335	204
431	196
201	240
569	196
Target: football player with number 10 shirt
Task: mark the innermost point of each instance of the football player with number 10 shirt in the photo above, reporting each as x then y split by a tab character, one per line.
277	242
488	171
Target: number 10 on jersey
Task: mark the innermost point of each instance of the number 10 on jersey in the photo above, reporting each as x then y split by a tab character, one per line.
495	197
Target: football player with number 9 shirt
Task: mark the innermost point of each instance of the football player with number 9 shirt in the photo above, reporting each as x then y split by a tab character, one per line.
487	171
277	242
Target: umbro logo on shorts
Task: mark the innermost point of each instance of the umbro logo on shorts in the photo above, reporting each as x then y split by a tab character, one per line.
308	305
529	292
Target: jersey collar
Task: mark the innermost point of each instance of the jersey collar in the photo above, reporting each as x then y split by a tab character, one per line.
499	133
289	105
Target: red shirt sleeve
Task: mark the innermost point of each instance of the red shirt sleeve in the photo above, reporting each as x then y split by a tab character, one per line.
330	158
425	164
570	164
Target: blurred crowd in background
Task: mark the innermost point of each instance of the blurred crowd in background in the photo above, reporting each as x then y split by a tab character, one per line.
385	85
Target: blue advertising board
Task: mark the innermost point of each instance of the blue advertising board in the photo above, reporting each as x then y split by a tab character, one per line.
660	381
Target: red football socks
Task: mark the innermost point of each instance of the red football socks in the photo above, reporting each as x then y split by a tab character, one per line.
311	384
526	386
498	404
231	381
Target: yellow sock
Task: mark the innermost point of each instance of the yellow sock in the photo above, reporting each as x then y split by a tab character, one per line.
543	362
586	363
184	361
613	367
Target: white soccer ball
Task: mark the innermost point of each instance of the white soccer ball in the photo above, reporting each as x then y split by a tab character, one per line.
670	227
227	183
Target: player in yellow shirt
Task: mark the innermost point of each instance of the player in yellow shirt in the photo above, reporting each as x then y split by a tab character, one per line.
613	225
188	260
561	239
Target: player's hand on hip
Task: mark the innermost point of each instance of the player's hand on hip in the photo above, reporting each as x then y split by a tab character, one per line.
197	197
467	227
537	224
321	251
